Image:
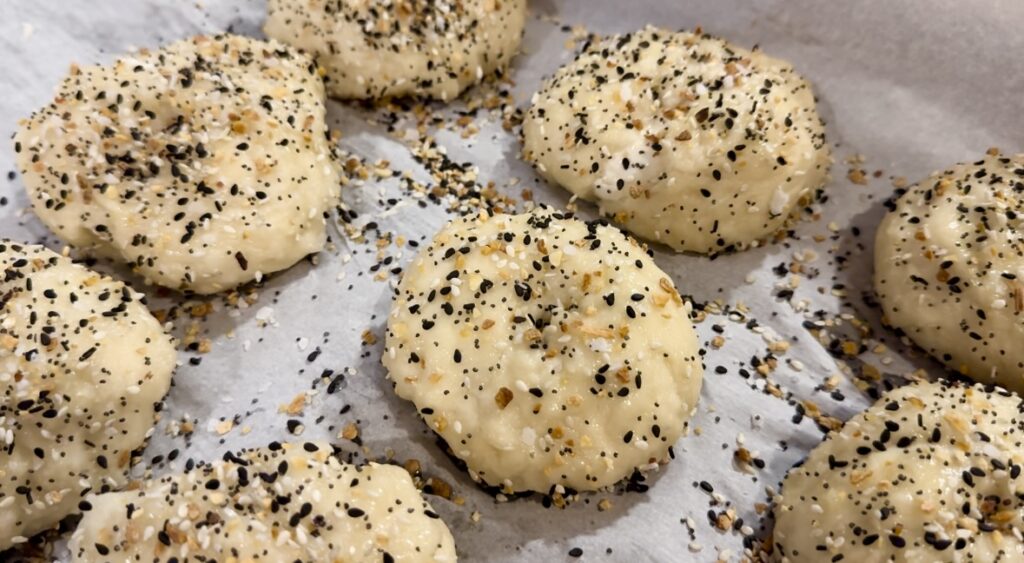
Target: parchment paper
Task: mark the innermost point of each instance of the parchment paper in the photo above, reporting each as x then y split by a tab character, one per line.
906	87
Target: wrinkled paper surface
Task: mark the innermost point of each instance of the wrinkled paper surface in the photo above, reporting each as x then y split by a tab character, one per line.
909	87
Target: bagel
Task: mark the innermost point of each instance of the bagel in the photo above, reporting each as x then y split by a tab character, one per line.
949	268
394	48
546	351
682	138
931	472
286	502
204	164
83	367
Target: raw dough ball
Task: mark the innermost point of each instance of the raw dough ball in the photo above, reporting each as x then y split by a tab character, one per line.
286	502
931	472
949	268
83	365
545	350
684	139
204	164
392	48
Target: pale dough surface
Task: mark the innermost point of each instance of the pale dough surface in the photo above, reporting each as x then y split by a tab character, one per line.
545	350
82	366
949	268
683	139
393	48
203	165
287	502
931	472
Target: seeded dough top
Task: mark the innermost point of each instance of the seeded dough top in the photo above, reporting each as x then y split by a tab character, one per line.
684	139
286	502
204	164
930	470
949	268
545	350
82	365
393	48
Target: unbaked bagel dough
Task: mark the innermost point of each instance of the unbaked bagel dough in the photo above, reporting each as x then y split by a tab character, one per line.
546	351
83	365
203	165
949	268
392	48
286	502
683	139
931	472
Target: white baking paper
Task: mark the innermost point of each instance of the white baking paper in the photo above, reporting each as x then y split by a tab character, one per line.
906	87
